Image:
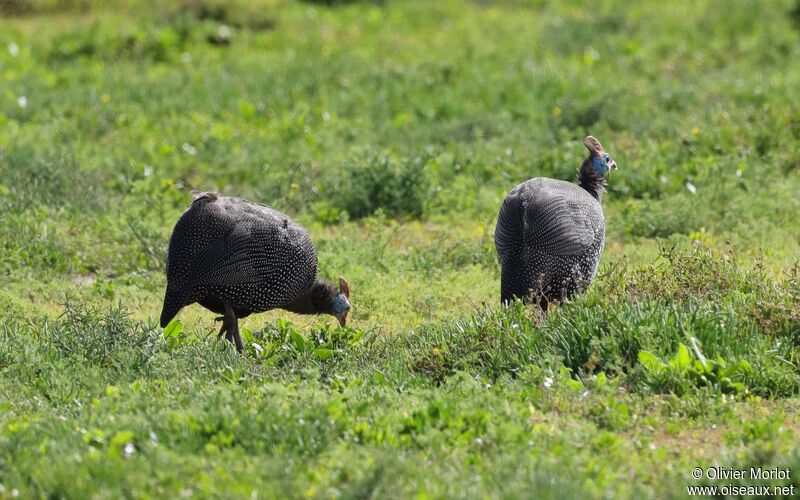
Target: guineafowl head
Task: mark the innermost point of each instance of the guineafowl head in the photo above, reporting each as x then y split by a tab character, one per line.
595	169
341	302
599	160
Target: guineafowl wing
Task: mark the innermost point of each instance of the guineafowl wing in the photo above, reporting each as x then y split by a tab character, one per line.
554	217
508	235
561	220
239	258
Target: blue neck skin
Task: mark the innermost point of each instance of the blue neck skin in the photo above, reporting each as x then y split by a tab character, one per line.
601	164
340	304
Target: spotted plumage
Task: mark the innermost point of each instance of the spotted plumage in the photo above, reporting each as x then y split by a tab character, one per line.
236	258
550	233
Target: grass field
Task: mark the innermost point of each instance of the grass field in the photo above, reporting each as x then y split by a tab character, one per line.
392	130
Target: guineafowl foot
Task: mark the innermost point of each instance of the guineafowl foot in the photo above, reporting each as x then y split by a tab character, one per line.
238	339
230	327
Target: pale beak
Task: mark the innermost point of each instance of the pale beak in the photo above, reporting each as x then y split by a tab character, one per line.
612	165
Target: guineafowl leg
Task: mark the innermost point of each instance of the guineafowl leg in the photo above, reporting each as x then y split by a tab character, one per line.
224	329
543	303
232	330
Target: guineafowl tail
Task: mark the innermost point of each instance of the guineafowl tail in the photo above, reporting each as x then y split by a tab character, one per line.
172	304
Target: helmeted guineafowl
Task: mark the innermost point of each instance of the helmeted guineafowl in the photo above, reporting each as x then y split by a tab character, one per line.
236	258
550	233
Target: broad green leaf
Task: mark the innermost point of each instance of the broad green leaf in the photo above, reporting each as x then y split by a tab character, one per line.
574	384
682	360
247	334
298	340
737	386
120	439
742	366
650	362
173	329
322	354
270	360
622	409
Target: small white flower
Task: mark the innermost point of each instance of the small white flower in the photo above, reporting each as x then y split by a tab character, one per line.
664	179
148	170
128	450
738	173
189	148
691	187
13	49
22	101
548	381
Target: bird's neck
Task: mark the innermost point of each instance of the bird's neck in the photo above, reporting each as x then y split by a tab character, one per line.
317	300
591	180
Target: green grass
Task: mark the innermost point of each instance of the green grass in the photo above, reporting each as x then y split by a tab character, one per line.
392	131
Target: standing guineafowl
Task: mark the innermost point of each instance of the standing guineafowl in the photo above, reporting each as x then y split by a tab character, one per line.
550	233
236	258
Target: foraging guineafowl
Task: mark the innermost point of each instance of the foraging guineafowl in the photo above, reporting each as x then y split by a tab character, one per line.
550	233
236	258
